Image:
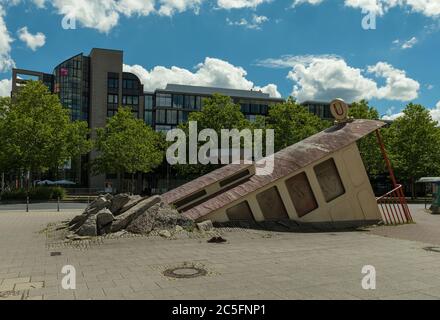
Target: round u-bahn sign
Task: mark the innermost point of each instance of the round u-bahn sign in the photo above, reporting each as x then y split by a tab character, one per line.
339	109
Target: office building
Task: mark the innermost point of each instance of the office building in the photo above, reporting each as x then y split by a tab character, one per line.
93	86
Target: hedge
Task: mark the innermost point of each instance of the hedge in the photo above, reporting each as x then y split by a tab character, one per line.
37	193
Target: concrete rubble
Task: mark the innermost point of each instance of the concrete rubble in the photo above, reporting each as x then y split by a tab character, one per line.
123	213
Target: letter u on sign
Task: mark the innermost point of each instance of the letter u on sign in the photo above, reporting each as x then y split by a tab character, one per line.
339	109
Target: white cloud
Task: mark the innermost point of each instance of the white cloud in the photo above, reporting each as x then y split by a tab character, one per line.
5	87
328	76
410	43
212	72
398	85
430	8
169	7
6	62
104	15
392	116
239	4
313	2
33	41
254	23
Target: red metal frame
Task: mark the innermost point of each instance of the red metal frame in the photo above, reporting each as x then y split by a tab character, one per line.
393	202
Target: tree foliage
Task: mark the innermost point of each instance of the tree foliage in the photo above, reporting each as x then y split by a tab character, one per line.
36	131
292	123
369	146
414	144
127	145
218	112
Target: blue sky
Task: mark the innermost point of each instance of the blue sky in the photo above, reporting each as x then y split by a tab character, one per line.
311	49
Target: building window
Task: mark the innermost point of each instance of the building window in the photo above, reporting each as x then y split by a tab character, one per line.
190	102
171	117
301	194
129	84
112	98
272	205
177	101
161	116
234	178
148	117
163	100
251	117
199	103
130	100
245	108
149	102
163	128
113	83
240	212
329	180
112	104
255	108
183	116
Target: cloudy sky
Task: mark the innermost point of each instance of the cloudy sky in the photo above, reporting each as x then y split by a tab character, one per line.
386	51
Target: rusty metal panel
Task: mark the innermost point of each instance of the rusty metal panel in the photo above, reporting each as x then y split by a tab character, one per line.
301	194
329	180
239	212
286	161
272	205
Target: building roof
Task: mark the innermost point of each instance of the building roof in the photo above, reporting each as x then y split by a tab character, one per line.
198	90
286	162
315	102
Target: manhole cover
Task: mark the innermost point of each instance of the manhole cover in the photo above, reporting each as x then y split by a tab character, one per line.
432	249
185	272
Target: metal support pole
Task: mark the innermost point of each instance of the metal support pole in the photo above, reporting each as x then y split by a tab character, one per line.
58	204
387	160
400	193
27	204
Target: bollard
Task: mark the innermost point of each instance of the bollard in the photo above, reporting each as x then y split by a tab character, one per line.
27	204
58	204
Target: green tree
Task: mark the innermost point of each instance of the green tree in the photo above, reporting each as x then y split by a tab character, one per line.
127	145
218	112
414	144
368	146
292	123
5	104
37	134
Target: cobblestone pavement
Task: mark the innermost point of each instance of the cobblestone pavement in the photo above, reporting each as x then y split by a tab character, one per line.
251	265
426	229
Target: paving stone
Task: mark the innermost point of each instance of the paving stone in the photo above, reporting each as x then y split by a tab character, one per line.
253	265
29	286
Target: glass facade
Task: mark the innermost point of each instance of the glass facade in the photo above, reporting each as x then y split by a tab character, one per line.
148	112
163	100
131	102
322	110
130	84
170	110
112	104
71	83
